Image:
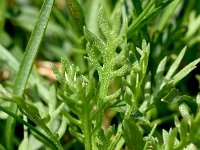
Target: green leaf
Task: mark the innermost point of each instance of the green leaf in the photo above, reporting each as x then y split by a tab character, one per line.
77	14
72	119
151	141
104	138
58	75
169	138
132	135
159	72
33	47
146	15
28	60
176	63
165	135
185	71
161	68
168	14
137	115
185	112
32	128
79	136
183	130
103	23
9	59
172	138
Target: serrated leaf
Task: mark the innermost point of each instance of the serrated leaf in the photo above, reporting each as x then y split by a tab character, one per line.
95	41
132	135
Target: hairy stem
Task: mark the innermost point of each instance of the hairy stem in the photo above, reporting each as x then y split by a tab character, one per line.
87	127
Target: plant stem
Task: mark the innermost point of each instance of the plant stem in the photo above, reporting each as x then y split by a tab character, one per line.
139	19
87	127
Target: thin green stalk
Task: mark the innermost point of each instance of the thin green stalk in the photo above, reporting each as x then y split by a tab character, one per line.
138	10
87	128
27	63
35	130
139	18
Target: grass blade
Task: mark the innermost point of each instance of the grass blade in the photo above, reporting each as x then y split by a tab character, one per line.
27	63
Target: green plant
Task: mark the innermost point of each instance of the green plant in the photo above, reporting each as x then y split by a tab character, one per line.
116	67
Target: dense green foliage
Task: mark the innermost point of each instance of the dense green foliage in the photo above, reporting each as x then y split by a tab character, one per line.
128	78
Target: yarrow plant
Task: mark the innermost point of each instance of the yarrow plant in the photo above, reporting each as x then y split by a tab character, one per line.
115	75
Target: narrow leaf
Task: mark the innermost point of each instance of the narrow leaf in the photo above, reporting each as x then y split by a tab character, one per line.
9	59
72	119
79	136
184	112
176	63
103	23
27	62
185	71
161	67
77	14
35	130
172	137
